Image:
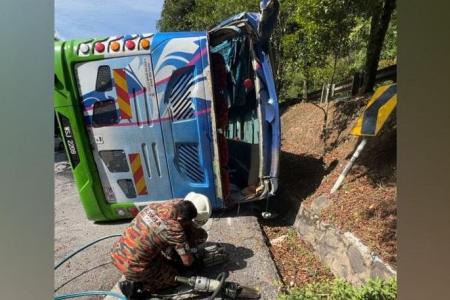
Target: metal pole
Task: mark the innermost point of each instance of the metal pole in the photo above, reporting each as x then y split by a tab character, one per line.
327	92
322	95
348	166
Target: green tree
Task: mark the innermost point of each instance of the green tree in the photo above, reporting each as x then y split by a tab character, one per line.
315	41
173	15
200	15
317	34
381	12
209	13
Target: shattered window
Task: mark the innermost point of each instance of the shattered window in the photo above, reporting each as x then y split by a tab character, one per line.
127	187
105	113
104	80
115	160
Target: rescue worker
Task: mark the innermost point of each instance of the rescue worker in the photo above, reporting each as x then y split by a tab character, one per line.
157	244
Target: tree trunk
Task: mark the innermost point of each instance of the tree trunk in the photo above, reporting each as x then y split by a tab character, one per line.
277	49
328	95
334	68
305	90
378	27
306	82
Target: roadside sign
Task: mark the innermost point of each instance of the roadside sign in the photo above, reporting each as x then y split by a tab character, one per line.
377	111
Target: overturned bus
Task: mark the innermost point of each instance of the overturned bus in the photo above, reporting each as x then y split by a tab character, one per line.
150	117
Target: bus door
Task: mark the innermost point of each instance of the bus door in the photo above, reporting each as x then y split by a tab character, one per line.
183	86
123	122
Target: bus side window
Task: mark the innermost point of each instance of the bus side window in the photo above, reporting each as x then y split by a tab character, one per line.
104	80
105	113
127	187
115	160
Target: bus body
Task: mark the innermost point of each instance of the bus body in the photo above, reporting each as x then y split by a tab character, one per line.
150	117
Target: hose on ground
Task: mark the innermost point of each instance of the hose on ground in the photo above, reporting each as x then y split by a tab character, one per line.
83	248
89	293
220	278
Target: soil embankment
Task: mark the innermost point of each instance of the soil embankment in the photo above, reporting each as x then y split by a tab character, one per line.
316	145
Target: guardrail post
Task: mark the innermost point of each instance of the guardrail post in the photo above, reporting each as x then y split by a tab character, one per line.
322	95
327	92
305	91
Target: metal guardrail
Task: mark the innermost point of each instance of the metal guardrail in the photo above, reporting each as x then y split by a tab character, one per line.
350	86
343	90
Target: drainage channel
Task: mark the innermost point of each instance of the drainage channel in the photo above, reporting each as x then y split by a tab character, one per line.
267	241
294	259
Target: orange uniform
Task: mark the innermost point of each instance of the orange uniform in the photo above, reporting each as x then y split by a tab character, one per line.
143	253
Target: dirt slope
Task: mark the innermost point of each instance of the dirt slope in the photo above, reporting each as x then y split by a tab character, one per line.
314	154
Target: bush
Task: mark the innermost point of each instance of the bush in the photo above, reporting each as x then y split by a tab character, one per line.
341	290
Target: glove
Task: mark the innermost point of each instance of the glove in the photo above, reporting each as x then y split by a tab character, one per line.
210	255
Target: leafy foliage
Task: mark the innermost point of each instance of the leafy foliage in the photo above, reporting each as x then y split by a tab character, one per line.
316	36
338	289
173	15
198	15
315	42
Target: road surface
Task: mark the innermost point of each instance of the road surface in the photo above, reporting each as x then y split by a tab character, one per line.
250	261
91	269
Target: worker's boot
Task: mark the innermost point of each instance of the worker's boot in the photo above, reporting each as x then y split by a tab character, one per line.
133	290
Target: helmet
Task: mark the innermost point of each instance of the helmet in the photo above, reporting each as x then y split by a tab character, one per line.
203	206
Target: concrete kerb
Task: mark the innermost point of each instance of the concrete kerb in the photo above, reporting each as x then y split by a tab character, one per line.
250	261
345	254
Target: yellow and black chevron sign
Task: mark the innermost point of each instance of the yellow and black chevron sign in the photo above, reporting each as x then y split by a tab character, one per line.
377	111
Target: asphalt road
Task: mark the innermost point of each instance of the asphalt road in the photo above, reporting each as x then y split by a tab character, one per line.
91	269
250	261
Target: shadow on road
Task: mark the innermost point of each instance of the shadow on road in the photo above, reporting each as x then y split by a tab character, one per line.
115	222
300	176
237	261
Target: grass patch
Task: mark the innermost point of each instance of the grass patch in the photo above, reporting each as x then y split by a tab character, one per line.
338	289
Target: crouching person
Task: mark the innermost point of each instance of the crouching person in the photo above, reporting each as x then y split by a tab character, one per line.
157	243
